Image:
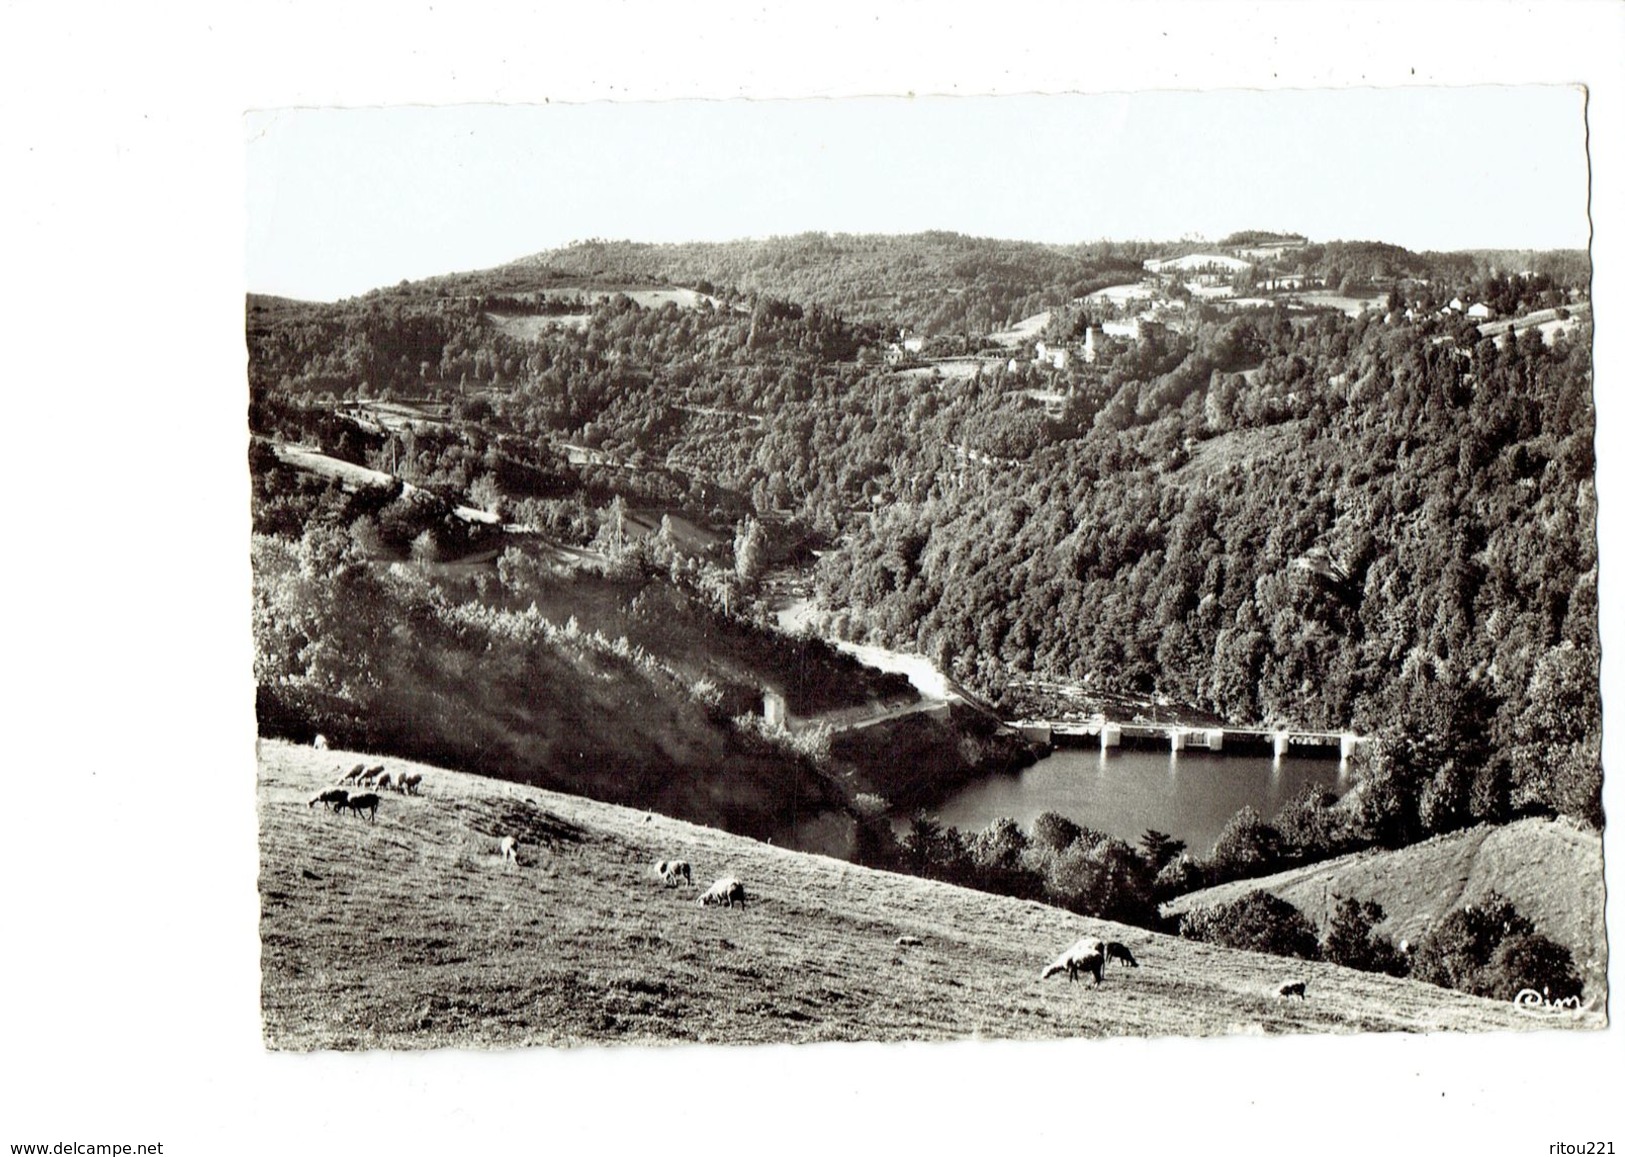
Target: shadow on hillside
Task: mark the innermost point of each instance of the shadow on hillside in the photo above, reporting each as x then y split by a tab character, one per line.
529	823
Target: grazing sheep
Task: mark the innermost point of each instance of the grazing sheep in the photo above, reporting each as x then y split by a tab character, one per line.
333	797
1297	988
509	848
672	871
366	802
370	775
353	774
320	742
384	781
909	942
1087	955
1121	954
408	782
726	891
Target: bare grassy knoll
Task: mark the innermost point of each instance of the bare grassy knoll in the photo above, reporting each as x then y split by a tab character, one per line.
413	932
1551	870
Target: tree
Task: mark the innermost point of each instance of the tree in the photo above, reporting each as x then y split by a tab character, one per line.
1351	941
484	493
1248	846
933	851
1312	826
749	546
1053	830
1159	848
1103	878
1177	877
612	530
426	547
996	854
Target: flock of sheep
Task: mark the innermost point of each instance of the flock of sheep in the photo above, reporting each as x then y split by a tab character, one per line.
338	799
727	891
1087	955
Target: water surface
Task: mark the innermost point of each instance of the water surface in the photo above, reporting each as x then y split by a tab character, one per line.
1190	795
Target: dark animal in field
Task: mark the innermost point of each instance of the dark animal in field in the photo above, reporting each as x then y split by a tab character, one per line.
384	781
909	942
726	891
673	871
333	797
1087	955
1121	954
1298	988
366	802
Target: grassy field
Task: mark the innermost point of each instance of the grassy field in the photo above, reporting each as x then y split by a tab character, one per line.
1023	331
530	326
1549	869
413	932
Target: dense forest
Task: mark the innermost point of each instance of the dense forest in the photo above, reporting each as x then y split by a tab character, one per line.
1277	514
1369	524
930	283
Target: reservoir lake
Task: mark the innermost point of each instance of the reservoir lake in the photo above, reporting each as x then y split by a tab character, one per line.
1121	792
1190	796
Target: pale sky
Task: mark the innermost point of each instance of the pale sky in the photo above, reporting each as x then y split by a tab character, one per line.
345	200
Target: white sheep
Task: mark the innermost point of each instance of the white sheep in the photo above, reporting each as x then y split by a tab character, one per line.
371	774
320	742
509	847
726	891
408	782
1086	955
354	773
383	781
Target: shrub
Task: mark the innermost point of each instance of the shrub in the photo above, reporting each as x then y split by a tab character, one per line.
1530	960
1258	922
1490	949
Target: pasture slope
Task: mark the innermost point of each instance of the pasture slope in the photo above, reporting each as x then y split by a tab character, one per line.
413	932
1551	870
